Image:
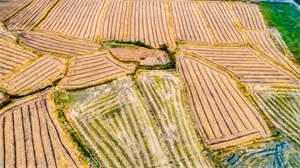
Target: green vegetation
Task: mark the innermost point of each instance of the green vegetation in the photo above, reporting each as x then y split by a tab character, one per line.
118	45
137	43
63	101
286	19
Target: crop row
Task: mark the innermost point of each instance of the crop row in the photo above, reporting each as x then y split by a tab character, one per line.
225	117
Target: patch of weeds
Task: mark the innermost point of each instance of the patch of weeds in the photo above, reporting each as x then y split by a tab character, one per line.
62	102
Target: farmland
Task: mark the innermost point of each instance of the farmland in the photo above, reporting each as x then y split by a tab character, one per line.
147	83
219	106
130	136
31	136
141	55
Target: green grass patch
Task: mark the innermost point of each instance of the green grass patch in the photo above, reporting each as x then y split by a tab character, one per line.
286	18
62	102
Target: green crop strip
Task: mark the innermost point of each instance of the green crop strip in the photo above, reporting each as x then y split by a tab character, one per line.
286	19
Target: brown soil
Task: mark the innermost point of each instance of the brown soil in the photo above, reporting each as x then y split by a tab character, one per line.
225	117
141	55
9	7
30	135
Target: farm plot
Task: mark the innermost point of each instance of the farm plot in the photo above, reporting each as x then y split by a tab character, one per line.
163	91
12	57
141	55
30	136
9	7
54	44
264	44
114	26
29	16
94	69
148	22
188	23
278	154
222	24
249	16
117	126
282	107
79	19
245	64
35	76
225	117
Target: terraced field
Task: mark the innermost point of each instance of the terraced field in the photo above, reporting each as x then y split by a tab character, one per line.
189	28
78	19
263	42
245	63
12	57
35	76
29	16
249	16
224	116
222	24
119	129
94	69
54	44
30	135
282	107
141	55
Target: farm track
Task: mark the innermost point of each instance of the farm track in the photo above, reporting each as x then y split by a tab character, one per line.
222	24
12	57
225	117
249	16
263	42
189	28
282	108
55	44
248	66
30	136
94	69
29	16
36	75
78	19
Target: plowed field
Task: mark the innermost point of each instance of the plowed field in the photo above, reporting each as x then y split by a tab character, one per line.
94	69
225	117
30	136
